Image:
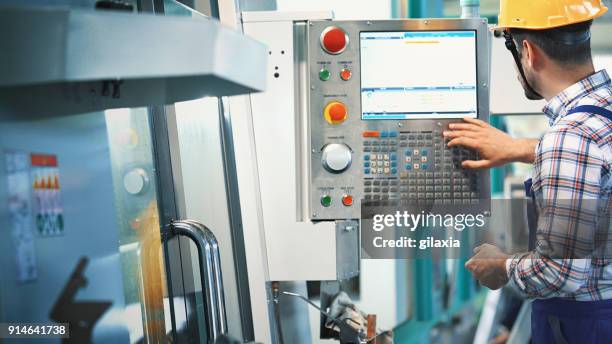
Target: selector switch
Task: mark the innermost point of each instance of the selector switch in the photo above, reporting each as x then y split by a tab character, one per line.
334	40
335	113
337	157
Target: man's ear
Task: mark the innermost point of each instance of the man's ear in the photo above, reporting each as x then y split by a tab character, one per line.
532	55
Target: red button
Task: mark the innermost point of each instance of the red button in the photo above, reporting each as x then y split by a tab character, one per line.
334	40
346	74
371	134
347	200
337	112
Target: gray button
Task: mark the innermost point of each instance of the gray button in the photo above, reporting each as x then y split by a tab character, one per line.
429	188
430	182
439	195
413	195
438	188
367	190
429	195
421	188
421	195
447	195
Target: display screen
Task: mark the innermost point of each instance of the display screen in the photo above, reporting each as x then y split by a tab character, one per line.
418	75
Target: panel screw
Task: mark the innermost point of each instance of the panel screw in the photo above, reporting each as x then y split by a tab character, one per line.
314	150
427	22
400	125
312	87
314	215
484	84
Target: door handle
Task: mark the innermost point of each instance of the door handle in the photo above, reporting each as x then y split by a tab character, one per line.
210	271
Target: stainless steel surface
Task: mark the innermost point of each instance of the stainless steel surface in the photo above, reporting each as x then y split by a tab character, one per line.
349	92
347	249
102	59
210	272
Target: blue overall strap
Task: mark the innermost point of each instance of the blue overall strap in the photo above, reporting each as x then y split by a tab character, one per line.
592	109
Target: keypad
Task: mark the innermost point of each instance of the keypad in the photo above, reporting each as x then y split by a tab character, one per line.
380	155
419	168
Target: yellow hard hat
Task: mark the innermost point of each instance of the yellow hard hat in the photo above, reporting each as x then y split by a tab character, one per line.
547	14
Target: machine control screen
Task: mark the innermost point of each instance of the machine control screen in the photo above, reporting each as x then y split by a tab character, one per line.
418	75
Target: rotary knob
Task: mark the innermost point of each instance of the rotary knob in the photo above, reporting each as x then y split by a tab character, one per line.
337	157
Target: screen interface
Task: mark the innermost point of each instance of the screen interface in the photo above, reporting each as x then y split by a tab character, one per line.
418	75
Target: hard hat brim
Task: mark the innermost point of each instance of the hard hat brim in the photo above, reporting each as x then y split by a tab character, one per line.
498	27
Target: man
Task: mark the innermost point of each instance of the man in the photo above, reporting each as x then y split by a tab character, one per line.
550	41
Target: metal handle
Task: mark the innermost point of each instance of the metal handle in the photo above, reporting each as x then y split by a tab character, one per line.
210	271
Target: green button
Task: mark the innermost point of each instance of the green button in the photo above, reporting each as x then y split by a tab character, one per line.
324	74
326	201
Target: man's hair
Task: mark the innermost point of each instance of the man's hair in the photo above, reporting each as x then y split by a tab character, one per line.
560	43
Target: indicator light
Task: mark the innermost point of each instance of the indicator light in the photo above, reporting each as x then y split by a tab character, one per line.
347	200
326	201
345	74
324	74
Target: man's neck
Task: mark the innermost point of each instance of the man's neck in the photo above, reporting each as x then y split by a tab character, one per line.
560	78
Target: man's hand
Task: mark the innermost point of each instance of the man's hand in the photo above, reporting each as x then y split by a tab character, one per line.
495	147
488	266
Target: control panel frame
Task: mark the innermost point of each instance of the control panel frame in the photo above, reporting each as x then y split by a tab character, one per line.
350	131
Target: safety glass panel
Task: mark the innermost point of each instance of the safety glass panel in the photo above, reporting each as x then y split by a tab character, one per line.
79	227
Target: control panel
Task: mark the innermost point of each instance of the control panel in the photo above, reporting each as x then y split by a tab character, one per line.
381	95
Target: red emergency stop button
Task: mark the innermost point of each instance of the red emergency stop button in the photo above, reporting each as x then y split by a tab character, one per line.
347	200
334	40
335	113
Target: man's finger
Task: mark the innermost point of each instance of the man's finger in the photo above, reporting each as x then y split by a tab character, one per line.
476	164
475	121
463	126
459	133
463	141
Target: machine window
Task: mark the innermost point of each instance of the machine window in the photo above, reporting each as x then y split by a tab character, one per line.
418	75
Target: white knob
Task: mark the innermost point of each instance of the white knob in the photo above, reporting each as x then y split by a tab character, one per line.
337	157
135	181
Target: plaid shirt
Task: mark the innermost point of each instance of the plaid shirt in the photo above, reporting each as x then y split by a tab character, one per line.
573	163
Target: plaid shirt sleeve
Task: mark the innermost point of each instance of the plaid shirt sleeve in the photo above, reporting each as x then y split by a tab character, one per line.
568	172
